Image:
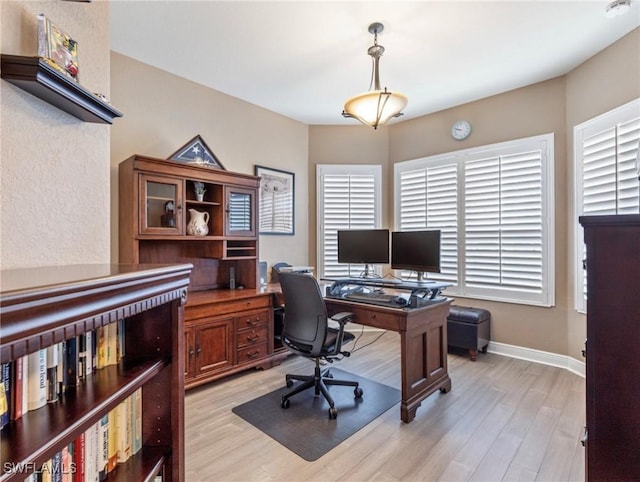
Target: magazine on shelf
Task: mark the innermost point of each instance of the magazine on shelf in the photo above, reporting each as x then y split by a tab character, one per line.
57	48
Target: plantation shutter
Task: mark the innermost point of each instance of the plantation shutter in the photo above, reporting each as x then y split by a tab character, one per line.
428	199
503	224
607	174
349	199
494	207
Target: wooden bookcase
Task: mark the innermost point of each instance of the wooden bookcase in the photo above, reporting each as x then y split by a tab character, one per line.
612	432
44	306
228	318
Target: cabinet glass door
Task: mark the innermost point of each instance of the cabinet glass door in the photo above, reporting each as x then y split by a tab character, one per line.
161	205
240	212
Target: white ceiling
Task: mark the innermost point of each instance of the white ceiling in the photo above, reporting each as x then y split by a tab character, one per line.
303	59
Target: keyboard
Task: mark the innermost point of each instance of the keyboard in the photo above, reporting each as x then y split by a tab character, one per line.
393	301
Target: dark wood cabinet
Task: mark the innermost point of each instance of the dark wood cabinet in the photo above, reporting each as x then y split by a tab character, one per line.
157	198
45	306
612	433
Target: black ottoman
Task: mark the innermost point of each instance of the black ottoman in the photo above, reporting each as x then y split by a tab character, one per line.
469	328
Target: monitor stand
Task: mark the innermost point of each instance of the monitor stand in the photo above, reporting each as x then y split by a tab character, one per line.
422	278
368	273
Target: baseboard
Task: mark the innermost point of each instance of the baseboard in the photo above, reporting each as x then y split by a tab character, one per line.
538	356
522	353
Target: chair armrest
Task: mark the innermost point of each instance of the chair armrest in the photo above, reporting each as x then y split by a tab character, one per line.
343	317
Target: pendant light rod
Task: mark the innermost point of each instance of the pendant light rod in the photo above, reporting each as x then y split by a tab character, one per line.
377	106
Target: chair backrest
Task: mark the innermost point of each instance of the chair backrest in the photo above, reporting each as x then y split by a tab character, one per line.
305	314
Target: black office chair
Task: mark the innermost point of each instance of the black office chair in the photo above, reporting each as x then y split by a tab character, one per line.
306	332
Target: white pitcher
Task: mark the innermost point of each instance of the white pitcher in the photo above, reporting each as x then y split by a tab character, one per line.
198	223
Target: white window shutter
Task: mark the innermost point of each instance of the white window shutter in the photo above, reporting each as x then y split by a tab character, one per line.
348	198
606	176
495	216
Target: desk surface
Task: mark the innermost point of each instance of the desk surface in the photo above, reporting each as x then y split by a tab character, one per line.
391	283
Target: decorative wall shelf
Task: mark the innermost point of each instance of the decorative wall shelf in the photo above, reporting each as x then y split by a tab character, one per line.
35	76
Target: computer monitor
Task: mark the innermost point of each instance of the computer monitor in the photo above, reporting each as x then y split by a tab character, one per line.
363	246
416	251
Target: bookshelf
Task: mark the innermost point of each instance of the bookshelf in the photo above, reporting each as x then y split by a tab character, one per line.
41	307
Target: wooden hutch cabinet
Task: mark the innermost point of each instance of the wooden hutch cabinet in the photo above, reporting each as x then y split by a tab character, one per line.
46	309
228	318
612	432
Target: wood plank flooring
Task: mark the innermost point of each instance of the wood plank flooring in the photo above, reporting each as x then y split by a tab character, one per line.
504	420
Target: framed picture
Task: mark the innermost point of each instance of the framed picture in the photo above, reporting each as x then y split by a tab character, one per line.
196	151
277	194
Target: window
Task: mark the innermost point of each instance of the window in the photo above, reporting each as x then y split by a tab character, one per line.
606	179
348	198
494	207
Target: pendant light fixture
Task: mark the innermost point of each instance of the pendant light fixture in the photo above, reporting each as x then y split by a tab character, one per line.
377	106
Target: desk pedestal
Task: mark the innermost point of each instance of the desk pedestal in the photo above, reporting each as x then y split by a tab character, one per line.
423	336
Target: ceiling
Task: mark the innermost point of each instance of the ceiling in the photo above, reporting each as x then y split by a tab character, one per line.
303	59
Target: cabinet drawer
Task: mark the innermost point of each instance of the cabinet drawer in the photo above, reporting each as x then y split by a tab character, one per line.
252	319
238	306
252	336
373	316
251	353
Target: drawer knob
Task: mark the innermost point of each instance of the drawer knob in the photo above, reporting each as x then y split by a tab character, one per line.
253	337
252	322
253	354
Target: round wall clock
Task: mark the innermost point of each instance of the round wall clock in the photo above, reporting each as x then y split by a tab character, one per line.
461	130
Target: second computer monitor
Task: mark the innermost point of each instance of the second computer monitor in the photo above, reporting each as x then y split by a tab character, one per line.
416	251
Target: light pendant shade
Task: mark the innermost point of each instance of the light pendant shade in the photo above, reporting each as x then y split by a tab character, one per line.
377	106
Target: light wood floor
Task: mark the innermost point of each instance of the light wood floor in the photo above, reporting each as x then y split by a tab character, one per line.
504	419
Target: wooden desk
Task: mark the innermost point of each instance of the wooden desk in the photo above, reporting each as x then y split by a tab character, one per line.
423	335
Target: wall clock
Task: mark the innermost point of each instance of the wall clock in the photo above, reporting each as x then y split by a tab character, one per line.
461	130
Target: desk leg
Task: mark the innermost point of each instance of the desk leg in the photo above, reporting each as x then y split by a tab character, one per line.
424	367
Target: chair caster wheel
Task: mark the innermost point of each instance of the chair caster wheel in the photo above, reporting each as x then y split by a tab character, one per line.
358	392
286	403
333	413
289	383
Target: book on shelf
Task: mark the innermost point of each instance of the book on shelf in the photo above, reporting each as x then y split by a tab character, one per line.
37	382
103	448
90	363
113	441
57	48
72	362
136	443
78	458
112	344
25	384
52	373
91	454
120	335
67	463
17	376
101	356
5	388
126	439
62	367
56	467
82	356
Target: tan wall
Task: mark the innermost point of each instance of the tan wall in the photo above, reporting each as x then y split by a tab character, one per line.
533	110
163	112
608	80
345	145
552	106
55	168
